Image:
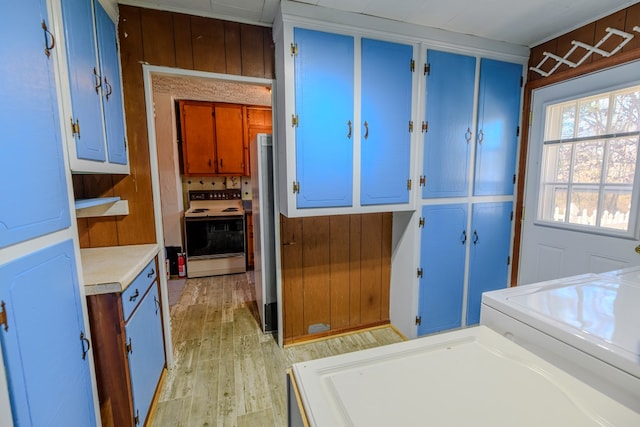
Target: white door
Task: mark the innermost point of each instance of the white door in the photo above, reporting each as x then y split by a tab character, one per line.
581	194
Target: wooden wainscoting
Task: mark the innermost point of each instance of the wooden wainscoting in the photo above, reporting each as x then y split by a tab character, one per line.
336	271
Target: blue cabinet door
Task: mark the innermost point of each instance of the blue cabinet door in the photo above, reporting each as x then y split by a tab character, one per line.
442	258
449	101
34	186
44	355
386	111
85	78
146	358
324	96
498	118
112	89
490	242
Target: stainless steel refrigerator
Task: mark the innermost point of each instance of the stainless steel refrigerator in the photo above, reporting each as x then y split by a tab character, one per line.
262	205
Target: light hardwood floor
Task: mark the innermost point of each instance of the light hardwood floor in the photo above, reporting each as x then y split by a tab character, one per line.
227	372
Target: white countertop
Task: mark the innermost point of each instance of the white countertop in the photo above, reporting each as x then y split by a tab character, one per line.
112	269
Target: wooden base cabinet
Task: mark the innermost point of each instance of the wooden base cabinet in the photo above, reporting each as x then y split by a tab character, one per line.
128	348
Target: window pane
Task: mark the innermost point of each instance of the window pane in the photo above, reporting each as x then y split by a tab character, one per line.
626	114
568	121
584	206
555	203
588	162
593	117
621	164
616	206
557	162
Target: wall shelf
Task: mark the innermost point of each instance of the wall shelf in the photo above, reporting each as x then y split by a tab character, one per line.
101	206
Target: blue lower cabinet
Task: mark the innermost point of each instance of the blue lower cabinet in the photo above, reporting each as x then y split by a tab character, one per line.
442	259
145	352
44	346
489	257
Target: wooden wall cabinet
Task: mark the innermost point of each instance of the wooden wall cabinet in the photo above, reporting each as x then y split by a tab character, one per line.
258	120
128	348
212	138
336	273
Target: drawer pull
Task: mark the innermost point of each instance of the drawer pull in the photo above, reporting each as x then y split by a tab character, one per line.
134	296
157	304
151	273
85	350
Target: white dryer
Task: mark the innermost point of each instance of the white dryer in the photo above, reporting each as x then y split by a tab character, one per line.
587	325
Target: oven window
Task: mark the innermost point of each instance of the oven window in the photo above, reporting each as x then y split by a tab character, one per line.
214	237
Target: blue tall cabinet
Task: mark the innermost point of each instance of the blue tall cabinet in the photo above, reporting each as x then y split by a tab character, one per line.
45	346
468	177
352	123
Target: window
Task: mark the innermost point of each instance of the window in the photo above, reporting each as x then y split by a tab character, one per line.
590	154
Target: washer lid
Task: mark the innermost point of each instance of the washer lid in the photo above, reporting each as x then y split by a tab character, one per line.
598	314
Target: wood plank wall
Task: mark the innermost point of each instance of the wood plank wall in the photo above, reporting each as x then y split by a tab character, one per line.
172	40
336	270
591	34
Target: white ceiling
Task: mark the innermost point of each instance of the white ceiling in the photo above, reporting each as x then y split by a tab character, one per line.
524	22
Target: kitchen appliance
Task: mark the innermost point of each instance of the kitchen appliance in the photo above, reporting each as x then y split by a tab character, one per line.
214	233
469	377
262	206
587	325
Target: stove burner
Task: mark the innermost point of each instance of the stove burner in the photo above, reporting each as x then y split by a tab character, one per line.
230	210
199	210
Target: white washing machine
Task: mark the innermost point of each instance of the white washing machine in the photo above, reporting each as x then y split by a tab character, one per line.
587	325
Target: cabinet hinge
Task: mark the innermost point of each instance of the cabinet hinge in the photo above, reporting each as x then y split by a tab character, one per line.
421	222
408	184
425	126
294	49
420	273
511	216
294	120
514	178
521	81
125	144
75	127
3	316
136	419
509	260
427	69
412	65
296	187
518	131
423	180
410	125
418	320
129	347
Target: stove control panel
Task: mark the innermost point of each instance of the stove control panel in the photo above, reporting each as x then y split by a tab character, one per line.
234	194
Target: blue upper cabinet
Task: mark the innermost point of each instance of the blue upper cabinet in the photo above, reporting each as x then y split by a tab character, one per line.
489	259
385	114
34	186
442	259
44	344
448	129
112	89
498	131
324	104
85	79
96	118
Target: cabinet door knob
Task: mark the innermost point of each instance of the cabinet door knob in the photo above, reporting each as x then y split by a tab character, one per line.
464	237
366	130
98	79
467	135
49	40
84	341
350	129
109	88
480	136
475	237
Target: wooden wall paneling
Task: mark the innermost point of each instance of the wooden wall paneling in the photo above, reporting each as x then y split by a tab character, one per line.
632	19
615	20
316	272
371	255
232	48
182	41
157	37
103	231
83	223
292	291
355	265
339	270
252	51
583	34
268	53
138	227
207	39
385	265
537	54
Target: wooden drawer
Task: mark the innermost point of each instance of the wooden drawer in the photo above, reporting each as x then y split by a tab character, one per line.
132	296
